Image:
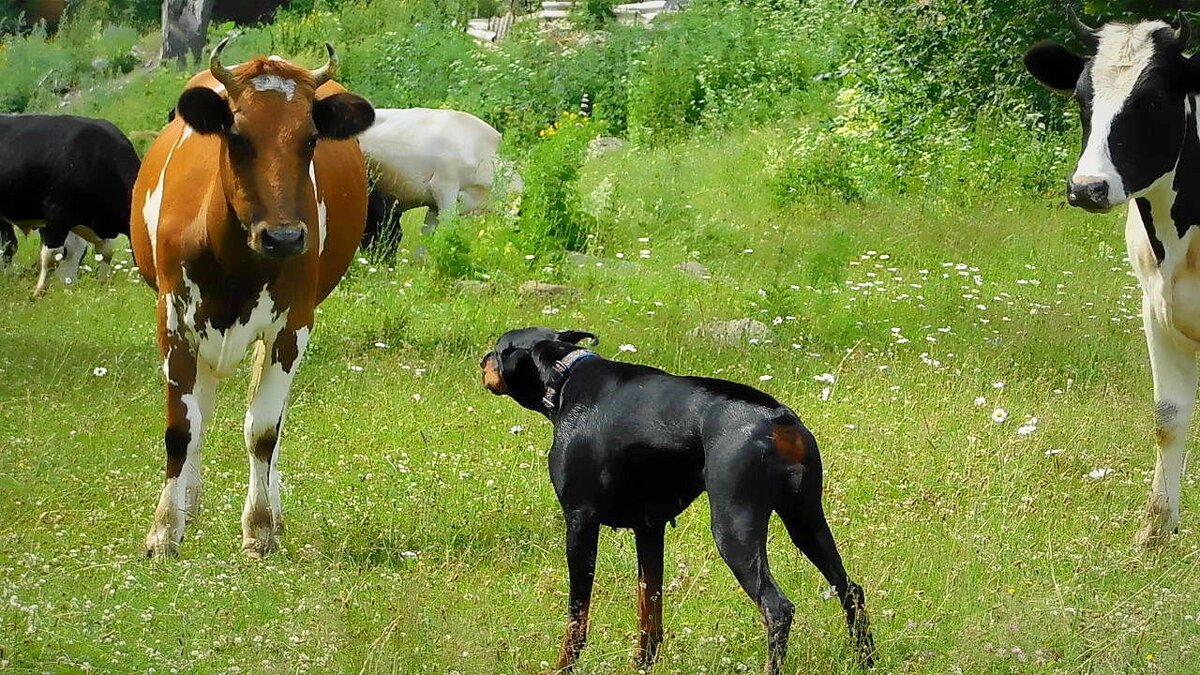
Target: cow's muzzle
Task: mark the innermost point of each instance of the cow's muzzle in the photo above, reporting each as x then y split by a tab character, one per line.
1090	194
281	241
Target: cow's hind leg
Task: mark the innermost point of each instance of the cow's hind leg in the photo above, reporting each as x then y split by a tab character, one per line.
8	242
191	391
1173	364
274	368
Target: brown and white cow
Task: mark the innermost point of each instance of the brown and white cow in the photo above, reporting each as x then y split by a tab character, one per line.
246	213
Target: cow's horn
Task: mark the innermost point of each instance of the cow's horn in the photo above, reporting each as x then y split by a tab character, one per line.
1183	34
328	71
1086	34
223	74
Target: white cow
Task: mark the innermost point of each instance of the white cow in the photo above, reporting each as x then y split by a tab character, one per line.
1139	96
443	159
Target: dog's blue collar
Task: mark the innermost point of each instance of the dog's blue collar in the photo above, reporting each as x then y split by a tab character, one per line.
562	368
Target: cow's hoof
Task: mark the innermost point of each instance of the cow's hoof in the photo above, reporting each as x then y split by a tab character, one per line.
159	546
1159	522
1151	535
259	548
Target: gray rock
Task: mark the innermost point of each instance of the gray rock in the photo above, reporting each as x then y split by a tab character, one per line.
473	286
734	332
604	145
542	288
694	268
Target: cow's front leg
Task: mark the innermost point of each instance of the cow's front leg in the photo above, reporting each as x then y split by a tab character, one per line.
1173	364
73	250
275	366
191	390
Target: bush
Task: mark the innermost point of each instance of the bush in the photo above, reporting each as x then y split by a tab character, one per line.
449	250
31	63
718	61
592	14
812	165
552	219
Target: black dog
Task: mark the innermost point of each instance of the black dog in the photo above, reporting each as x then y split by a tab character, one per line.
633	446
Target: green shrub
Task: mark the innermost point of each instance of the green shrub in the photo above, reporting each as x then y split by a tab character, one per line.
449	250
592	14
812	165
552	219
32	63
114	49
717	61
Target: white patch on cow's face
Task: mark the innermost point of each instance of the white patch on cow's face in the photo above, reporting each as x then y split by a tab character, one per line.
1122	56
152	209
275	83
322	212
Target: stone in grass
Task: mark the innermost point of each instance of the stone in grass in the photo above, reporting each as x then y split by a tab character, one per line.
542	288
473	286
694	268
734	332
604	145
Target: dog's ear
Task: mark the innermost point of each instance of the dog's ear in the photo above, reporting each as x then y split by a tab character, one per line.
574	336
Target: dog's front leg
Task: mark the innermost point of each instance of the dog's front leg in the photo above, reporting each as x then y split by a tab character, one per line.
649	592
582	537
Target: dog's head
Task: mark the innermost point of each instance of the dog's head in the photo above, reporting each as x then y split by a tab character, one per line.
521	363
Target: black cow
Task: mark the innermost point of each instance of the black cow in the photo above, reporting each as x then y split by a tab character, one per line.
61	174
383	233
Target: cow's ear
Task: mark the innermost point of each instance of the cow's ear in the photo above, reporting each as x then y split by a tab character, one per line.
1054	65
342	115
205	111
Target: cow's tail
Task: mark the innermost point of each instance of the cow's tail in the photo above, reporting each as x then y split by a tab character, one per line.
256	370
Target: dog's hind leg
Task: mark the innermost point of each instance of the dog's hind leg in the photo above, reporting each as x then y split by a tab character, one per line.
583	534
741	533
649	592
804	518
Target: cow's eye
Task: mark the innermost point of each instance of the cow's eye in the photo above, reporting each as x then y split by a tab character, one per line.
239	143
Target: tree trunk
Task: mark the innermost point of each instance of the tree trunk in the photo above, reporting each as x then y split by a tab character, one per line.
185	29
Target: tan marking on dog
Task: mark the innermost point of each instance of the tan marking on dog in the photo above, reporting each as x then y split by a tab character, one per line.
789	443
491	376
574	638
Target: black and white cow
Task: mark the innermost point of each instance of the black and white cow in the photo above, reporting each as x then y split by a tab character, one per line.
1138	93
61	175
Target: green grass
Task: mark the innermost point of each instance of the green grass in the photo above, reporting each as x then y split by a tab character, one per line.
979	551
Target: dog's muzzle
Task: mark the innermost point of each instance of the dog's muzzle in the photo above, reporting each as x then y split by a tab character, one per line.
493	379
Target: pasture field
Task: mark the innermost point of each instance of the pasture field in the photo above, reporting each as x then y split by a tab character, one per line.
423	534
